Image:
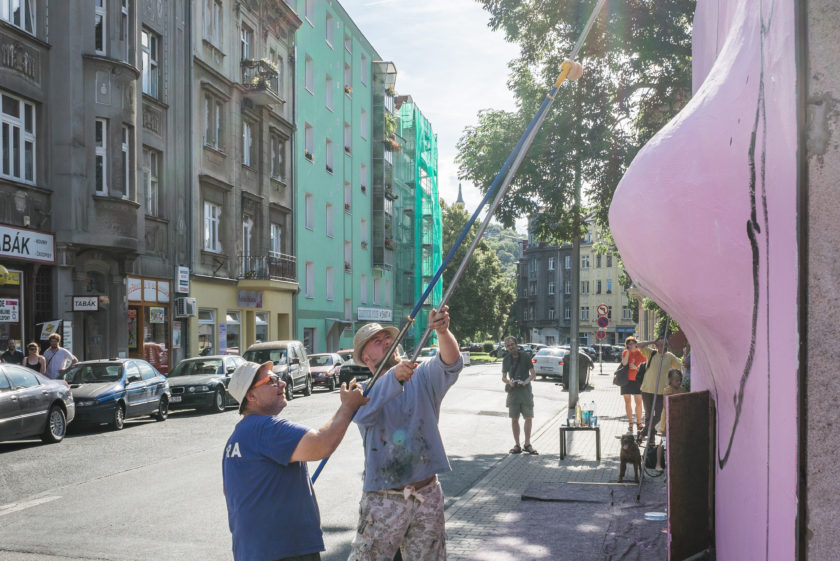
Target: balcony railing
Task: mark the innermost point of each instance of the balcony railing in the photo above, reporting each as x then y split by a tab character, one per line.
276	266
260	80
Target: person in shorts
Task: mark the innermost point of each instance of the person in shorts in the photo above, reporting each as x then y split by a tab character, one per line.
517	374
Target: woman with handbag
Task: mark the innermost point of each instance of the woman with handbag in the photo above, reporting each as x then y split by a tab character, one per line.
633	358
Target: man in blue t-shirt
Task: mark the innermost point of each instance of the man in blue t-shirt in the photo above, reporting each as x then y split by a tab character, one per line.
272	511
402	505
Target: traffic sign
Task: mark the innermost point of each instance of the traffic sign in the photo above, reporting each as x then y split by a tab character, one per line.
603	322
601	334
602	309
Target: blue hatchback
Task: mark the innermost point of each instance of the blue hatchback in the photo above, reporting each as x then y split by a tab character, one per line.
113	390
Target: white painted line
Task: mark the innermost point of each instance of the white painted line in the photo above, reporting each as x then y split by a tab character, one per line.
14	507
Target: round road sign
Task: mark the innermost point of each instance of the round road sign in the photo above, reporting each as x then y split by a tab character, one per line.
602	309
603	322
601	334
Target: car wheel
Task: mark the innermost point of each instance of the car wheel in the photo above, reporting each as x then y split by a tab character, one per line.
218	401
290	391
163	409
332	383
307	388
56	426
118	422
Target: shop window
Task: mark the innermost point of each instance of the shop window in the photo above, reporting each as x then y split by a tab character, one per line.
156	337
206	331
261	329
232	331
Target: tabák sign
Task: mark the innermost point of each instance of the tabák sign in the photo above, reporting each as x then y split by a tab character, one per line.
85	303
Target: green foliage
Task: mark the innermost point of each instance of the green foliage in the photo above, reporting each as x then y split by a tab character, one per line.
390	125
480	303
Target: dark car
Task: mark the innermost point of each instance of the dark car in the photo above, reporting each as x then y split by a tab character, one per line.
32	405
290	360
325	369
201	382
608	352
350	370
590	351
113	390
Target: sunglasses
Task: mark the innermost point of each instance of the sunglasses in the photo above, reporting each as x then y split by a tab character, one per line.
271	380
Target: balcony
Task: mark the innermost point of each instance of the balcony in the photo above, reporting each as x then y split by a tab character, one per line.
277	266
260	82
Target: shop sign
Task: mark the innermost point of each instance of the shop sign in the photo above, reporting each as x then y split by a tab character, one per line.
85	303
249	298
49	328
67	338
183	283
9	309
27	244
374	314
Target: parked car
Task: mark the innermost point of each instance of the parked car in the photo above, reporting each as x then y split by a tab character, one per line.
32	405
590	352
608	352
350	370
426	354
325	369
291	363
554	362
113	390
201	382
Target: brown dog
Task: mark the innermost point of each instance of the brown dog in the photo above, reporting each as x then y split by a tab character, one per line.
629	455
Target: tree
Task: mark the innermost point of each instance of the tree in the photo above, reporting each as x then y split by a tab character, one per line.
637	76
483	296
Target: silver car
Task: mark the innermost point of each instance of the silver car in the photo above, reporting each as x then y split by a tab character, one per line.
32	405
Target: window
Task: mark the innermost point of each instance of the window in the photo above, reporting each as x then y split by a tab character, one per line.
149	45
348	308
276	240
584	287
233	321
567	263
151	175
363	176
609	312
348	139
125	36
533	288
364	73
308	142
363	232
261	332
567	313
206	331
330	229
247	234
309	10
348	196
328	92
387	293
363	290
568	287
126	153
625	313
609	260
309	75
246	42
309	212
598	261
348	44
330	282
363	125
609	286
212	218
249	155
329	28
277	59
213	121
17	152
584	313
328	155
101	157
309	334
20	13
278	158
584	262
100	32
551	263
213	22
309	281
551	287
377	291
348	256
598	287
551	313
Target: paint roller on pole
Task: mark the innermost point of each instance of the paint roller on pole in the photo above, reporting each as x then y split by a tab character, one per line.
570	70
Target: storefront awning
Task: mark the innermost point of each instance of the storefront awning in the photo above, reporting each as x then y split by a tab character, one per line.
337	323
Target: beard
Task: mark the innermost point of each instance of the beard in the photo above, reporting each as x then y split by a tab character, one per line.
392	361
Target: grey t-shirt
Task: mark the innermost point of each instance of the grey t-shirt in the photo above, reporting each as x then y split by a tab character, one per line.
399	426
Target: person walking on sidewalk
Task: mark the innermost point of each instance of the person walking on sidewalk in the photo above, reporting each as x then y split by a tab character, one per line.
271	505
517	374
655	355
631	391
402	504
58	358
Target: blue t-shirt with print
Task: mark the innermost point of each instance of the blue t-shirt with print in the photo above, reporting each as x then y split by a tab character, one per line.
272	511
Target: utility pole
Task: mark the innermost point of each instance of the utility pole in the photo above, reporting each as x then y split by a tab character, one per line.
574	326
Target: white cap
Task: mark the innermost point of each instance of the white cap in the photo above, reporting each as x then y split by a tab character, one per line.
242	378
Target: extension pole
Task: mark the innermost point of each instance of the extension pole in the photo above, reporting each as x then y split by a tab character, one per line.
655	395
504	177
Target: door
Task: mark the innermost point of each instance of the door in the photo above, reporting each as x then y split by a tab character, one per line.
155	384
135	392
9	410
31	398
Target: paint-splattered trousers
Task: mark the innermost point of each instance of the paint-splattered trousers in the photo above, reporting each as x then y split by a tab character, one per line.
409	520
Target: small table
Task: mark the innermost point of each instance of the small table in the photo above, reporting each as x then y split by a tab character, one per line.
565	428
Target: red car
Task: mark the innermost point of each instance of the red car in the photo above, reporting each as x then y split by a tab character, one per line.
325	368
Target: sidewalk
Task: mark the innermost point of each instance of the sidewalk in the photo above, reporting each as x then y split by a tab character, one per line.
541	508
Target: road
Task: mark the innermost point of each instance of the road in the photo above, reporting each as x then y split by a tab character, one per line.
153	490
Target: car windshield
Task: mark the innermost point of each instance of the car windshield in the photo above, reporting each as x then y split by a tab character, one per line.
193	367
548	351
277	356
93	373
428	352
320	360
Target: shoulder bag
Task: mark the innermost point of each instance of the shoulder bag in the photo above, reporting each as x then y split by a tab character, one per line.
620	377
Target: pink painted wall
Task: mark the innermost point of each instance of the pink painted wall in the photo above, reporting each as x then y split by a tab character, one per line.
705	220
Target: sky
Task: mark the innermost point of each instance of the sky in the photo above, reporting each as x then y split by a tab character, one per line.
449	61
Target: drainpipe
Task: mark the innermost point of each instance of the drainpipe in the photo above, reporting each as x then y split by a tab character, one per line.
293	185
188	71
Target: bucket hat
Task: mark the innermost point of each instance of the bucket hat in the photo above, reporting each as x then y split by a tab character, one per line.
242	378
365	334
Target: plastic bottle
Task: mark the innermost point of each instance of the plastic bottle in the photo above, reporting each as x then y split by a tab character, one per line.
578	415
593	418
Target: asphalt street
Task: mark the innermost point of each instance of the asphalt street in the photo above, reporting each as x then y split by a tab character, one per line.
153	490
